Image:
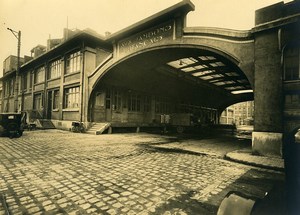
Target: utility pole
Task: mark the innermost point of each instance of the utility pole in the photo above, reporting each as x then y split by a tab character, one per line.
18	36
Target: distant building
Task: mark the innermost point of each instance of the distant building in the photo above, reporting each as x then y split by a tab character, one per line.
10	64
238	114
227	116
244	113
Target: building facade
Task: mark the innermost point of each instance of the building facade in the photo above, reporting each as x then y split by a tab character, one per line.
51	81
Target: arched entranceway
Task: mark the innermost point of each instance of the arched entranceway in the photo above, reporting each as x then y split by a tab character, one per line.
168	80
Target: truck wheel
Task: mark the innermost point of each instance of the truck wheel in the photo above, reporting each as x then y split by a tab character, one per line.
180	129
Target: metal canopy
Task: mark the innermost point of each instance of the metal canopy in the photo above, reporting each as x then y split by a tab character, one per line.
214	71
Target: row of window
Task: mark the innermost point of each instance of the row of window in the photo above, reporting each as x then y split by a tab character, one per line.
73	65
71	99
134	102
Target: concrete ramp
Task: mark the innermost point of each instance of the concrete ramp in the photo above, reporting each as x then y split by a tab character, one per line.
44	124
98	128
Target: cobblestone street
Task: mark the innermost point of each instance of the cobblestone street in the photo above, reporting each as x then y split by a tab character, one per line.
59	172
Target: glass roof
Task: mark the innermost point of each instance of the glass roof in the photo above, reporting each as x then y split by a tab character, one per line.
212	70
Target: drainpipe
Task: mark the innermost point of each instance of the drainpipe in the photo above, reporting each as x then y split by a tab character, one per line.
82	82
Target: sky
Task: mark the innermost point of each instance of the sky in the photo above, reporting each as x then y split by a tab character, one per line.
39	20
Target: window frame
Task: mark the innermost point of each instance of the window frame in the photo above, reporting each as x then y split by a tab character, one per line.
291	70
134	102
74	95
55	100
55	67
73	62
39	75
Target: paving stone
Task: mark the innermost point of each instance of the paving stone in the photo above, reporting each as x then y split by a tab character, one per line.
85	206
100	204
49	207
45	203
117	205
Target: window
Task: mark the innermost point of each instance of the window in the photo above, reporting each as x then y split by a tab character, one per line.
30	81
162	105
6	89
134	102
55	99
39	75
11	89
291	63
292	99
107	99
99	101
38	102
73	63
117	100
71	99
54	69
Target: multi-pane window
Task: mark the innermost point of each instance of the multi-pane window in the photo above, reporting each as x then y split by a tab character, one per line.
71	97
291	63
162	105
54	69
292	99
73	63
134	102
11	88
39	75
117	100
7	90
55	104
107	99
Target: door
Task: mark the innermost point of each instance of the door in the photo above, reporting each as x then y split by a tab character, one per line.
38	105
49	102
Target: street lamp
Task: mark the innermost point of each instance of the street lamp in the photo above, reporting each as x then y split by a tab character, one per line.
17	34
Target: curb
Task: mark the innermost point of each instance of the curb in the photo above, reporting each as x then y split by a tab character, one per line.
230	156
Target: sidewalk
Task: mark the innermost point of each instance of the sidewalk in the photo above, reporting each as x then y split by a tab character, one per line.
246	157
226	148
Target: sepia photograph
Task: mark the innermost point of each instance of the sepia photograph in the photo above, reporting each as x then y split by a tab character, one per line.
128	107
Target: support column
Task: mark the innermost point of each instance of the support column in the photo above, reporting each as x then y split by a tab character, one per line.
268	113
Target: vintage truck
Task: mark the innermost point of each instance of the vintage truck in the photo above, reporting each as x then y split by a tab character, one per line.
12	124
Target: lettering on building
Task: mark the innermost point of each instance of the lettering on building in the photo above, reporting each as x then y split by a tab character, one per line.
146	38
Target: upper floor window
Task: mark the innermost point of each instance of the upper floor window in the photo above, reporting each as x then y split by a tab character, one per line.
11	89
39	75
291	63
73	63
54	69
